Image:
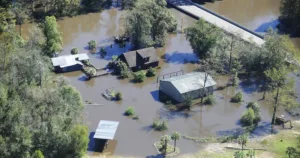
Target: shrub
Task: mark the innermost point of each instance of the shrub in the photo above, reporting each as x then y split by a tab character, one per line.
168	103
103	51
254	106
151	72
92	46
74	51
119	96
90	71
237	98
121	69
235	80
139	76
124	74
248	117
188	102
159	125
209	100
129	111
136	117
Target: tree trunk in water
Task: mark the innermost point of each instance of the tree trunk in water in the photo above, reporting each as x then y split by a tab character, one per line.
20	29
166	146
174	145
230	60
242	147
275	106
264	95
203	91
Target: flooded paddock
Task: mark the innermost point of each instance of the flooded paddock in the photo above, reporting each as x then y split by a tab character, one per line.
135	137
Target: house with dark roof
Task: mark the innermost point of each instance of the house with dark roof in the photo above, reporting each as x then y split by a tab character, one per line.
140	59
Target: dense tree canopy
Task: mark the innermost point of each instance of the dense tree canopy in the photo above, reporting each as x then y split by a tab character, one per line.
149	22
40	115
202	36
290	16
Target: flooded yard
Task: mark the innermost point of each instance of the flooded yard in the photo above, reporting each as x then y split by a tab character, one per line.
135	137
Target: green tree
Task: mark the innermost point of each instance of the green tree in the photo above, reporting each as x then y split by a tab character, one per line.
248	117
53	36
6	19
251	153
20	14
239	154
37	154
128	4
290	14
149	22
243	140
79	140
74	51
175	136
188	102
280	84
202	37
94	5
290	151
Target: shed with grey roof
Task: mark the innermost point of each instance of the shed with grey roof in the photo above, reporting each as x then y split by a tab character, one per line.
190	84
69	62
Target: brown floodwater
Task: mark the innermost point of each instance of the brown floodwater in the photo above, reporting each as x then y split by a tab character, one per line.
135	137
257	15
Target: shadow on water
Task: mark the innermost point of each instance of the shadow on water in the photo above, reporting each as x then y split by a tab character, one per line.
263	129
156	156
155	95
169	115
91	144
231	132
180	58
114	49
251	85
265	26
147	128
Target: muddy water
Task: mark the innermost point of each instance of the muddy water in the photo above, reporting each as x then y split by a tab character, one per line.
257	15
135	138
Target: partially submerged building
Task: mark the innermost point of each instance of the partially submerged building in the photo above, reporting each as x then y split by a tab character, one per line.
105	132
69	63
191	84
140	59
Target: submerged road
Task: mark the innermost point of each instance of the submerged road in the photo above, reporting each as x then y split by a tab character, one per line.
231	27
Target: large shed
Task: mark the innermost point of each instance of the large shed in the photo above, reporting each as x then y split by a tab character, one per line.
190	84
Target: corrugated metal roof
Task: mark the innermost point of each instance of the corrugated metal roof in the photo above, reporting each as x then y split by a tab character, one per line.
69	60
190	81
106	130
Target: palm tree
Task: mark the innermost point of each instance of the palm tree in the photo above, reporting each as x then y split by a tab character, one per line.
243	139
175	136
164	140
251	153
290	151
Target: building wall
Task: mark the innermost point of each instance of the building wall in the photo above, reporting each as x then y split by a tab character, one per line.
76	67
198	93
167	88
